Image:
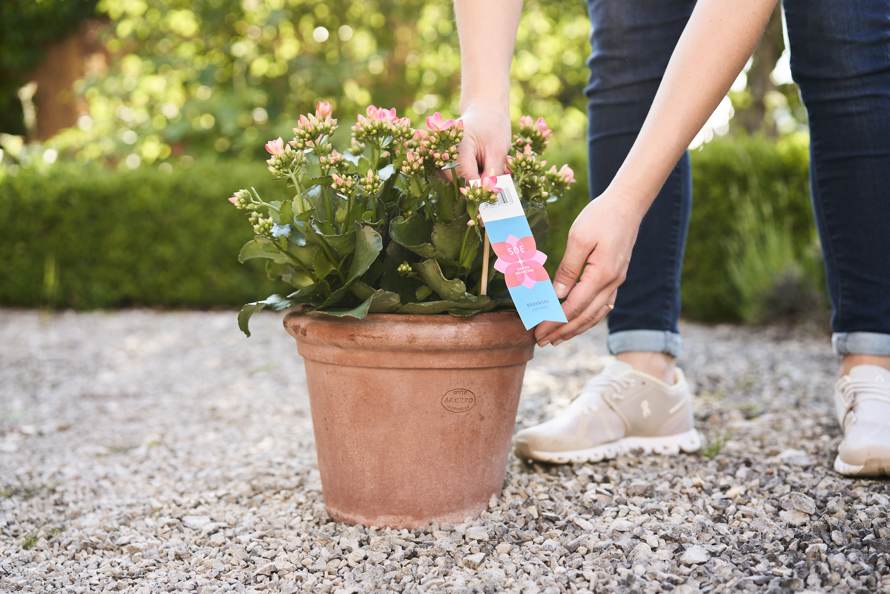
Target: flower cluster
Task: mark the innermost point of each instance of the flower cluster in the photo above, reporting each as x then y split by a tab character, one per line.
380	227
371	184
312	129
486	190
241	199
529	171
439	143
412	163
558	181
343	184
283	160
262	225
332	161
378	124
532	133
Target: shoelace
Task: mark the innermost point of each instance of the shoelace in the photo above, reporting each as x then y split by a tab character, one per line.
855	390
604	384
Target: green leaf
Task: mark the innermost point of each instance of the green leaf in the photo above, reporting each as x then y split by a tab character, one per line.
262	247
297	278
359	311
434	307
305	254
324	180
447	289
322	265
538	220
384	301
305	294
447	238
290	274
286	213
449	205
368	245
341	245
276	302
413	233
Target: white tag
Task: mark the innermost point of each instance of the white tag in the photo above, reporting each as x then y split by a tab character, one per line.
508	204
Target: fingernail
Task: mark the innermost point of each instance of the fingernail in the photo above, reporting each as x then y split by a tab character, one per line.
556	343
560	290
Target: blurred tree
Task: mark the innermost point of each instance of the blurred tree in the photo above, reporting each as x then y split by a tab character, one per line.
218	76
27	27
189	78
767	105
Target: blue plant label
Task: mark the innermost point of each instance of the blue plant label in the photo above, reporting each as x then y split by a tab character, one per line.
518	257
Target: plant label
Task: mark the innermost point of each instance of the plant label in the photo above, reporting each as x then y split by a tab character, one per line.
518	257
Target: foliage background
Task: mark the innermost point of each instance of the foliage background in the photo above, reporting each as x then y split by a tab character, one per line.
192	89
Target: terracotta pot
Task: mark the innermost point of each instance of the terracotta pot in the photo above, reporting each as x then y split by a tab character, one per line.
413	414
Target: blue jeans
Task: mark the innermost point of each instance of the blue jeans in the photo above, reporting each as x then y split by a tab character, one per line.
840	58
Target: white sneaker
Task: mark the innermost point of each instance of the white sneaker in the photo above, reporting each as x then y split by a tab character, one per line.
862	402
619	410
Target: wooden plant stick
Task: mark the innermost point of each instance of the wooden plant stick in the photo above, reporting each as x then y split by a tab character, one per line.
483	290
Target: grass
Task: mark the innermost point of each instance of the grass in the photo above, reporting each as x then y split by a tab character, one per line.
713	447
30	541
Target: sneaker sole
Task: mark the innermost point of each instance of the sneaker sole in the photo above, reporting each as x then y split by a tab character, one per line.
687	442
870	468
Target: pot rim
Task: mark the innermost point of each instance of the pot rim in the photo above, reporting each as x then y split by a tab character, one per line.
424	318
489	339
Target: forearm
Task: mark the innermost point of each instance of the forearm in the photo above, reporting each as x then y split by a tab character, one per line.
487	32
713	49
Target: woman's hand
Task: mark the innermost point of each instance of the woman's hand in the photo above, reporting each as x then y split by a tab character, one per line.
483	151
595	264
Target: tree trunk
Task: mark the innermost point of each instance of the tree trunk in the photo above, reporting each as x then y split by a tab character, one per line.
66	61
753	117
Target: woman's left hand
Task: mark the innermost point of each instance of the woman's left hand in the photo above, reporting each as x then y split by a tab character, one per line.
597	255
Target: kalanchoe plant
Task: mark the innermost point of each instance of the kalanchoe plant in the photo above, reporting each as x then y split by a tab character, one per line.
387	226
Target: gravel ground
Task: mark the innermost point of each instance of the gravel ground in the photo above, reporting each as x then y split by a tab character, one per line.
158	452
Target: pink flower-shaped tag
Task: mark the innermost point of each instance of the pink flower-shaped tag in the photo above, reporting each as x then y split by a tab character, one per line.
520	261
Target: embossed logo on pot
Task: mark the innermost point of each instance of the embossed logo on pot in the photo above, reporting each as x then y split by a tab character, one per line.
458	400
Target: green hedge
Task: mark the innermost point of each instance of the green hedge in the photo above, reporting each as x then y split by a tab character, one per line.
90	237
741	187
733	178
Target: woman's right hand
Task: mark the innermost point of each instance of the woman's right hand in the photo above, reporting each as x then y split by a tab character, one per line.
483	151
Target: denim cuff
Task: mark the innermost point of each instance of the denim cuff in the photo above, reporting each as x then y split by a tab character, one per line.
650	341
861	343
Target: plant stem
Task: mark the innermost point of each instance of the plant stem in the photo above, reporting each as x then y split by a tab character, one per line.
483	290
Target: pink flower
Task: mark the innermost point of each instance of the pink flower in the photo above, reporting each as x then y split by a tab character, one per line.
567	175
233	199
490	183
275	147
436	122
520	261
484	189
322	109
542	128
526	121
382	114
